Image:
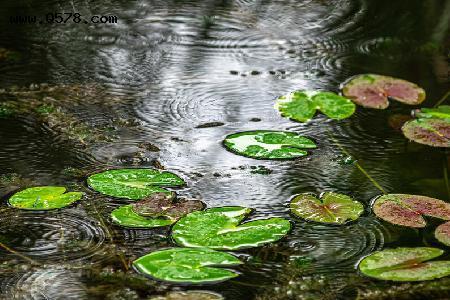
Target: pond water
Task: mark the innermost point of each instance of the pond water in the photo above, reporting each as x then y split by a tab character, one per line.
165	69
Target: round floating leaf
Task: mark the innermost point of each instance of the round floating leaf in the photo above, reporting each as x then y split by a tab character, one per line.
370	90
264	144
405	264
126	217
162	205
329	208
133	183
44	198
431	132
441	112
302	105
218	228
442	233
408	210
189	295
184	265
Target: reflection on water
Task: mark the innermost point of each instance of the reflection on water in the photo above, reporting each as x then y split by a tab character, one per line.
169	67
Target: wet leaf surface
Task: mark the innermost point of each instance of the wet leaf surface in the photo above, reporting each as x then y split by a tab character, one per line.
405	264
431	132
126	217
163	205
373	91
442	233
44	198
219	228
264	144
189	295
302	105
408	210
133	183
184	265
331	208
440	112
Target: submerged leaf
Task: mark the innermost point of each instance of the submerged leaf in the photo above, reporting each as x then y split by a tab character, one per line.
218	228
126	217
162	205
442	233
44	198
405	264
370	90
332	208
184	265
302	105
432	132
133	183
263	144
408	210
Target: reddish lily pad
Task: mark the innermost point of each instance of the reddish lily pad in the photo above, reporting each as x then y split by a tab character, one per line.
396	121
431	132
408	210
442	233
163	205
405	264
330	208
373	91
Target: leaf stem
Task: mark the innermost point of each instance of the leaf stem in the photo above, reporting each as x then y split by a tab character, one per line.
18	254
360	168
442	99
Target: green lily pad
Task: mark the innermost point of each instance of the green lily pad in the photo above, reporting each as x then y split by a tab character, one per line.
162	205
184	265
330	208
264	144
44	198
408	210
431	132
218	228
302	105
441	112
373	91
405	264
126	217
442	233
133	183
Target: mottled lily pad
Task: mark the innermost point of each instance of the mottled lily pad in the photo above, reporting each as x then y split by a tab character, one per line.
330	208
163	205
44	198
431	132
302	105
263	144
184	265
133	183
126	217
441	112
405	264
373	91
219	228
189	295
408	210
442	233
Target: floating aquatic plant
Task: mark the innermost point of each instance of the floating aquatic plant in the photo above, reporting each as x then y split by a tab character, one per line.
133	183
405	264
302	105
189	295
373	91
432	127
159	209
264	144
44	198
442	233
126	217
221	228
408	210
330	208
185	265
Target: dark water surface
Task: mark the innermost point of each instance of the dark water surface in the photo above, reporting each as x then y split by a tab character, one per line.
176	65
